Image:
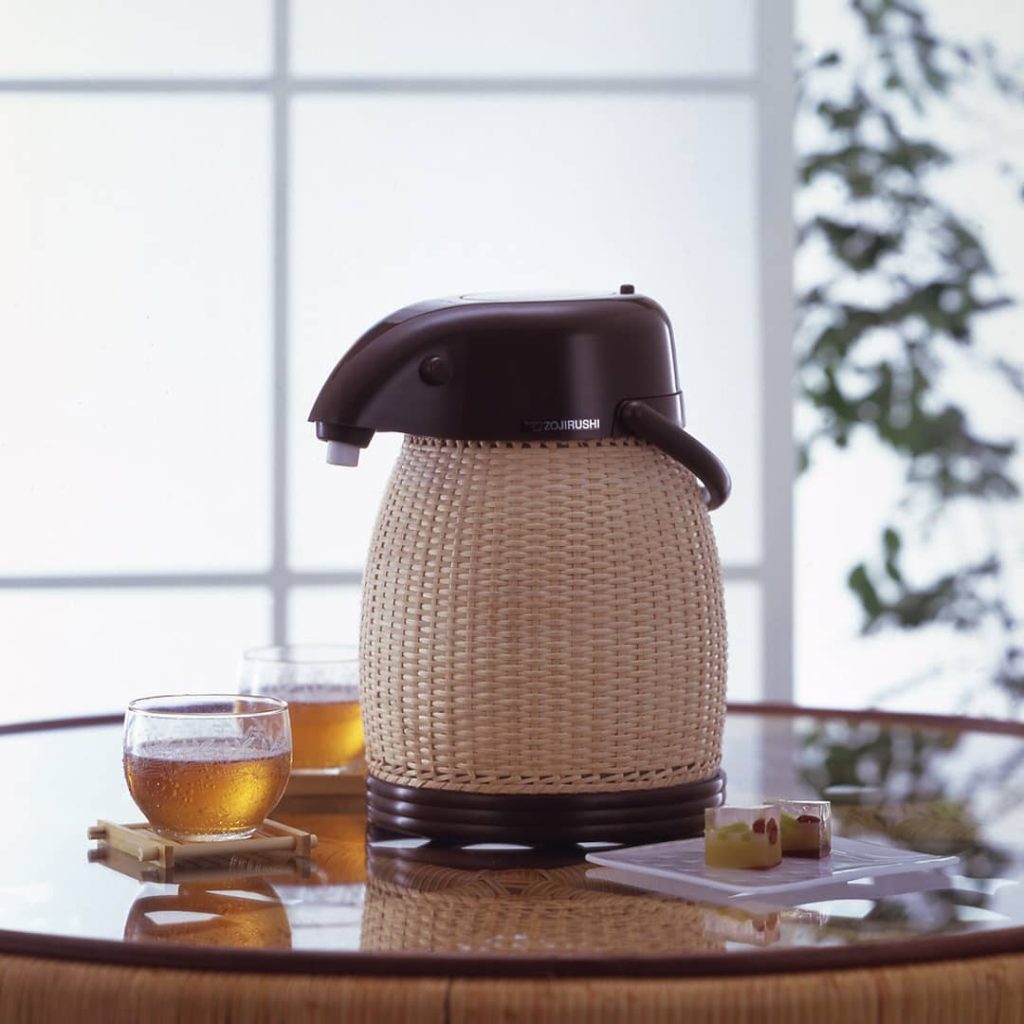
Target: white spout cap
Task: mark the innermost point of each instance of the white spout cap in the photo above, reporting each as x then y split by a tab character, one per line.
341	454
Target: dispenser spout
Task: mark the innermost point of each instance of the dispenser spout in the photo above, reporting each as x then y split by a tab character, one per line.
341	454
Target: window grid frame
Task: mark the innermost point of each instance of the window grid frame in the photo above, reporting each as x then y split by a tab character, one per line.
771	89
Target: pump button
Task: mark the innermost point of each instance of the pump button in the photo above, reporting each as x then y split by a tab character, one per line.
435	370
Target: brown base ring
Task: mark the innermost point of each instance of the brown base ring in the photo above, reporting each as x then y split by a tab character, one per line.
557	819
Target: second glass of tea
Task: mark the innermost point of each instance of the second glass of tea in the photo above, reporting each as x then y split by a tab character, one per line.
206	767
320	682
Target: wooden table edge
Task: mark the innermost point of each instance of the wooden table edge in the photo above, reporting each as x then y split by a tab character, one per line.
999	726
970	945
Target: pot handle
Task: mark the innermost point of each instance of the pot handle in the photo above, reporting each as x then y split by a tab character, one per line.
664	433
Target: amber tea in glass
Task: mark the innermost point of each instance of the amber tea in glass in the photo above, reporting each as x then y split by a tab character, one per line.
207	767
320	682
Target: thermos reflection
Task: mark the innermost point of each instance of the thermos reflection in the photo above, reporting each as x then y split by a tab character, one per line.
413	906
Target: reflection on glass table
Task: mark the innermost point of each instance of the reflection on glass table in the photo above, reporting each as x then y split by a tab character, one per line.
935	789
243	912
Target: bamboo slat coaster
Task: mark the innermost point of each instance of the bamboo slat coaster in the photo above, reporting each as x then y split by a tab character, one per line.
210	869
142	842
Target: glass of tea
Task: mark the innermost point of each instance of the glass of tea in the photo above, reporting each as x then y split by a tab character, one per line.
207	767
320	682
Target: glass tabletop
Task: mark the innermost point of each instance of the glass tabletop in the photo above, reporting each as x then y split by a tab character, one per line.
929	786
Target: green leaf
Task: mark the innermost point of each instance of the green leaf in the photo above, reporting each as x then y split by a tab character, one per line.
892	542
860	583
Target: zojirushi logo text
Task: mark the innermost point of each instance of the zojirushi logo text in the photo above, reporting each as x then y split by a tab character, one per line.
560	426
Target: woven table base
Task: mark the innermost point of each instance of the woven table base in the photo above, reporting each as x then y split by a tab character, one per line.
39	991
638	816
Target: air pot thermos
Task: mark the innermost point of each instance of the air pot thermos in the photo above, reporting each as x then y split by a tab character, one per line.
543	642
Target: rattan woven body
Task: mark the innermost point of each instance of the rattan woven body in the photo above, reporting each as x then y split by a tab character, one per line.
542	618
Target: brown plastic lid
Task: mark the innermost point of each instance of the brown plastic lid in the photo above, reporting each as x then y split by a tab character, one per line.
536	367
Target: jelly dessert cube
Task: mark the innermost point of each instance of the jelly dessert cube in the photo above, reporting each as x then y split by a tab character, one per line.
806	828
742	837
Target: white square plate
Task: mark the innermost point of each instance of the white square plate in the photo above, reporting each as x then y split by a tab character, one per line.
683	860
